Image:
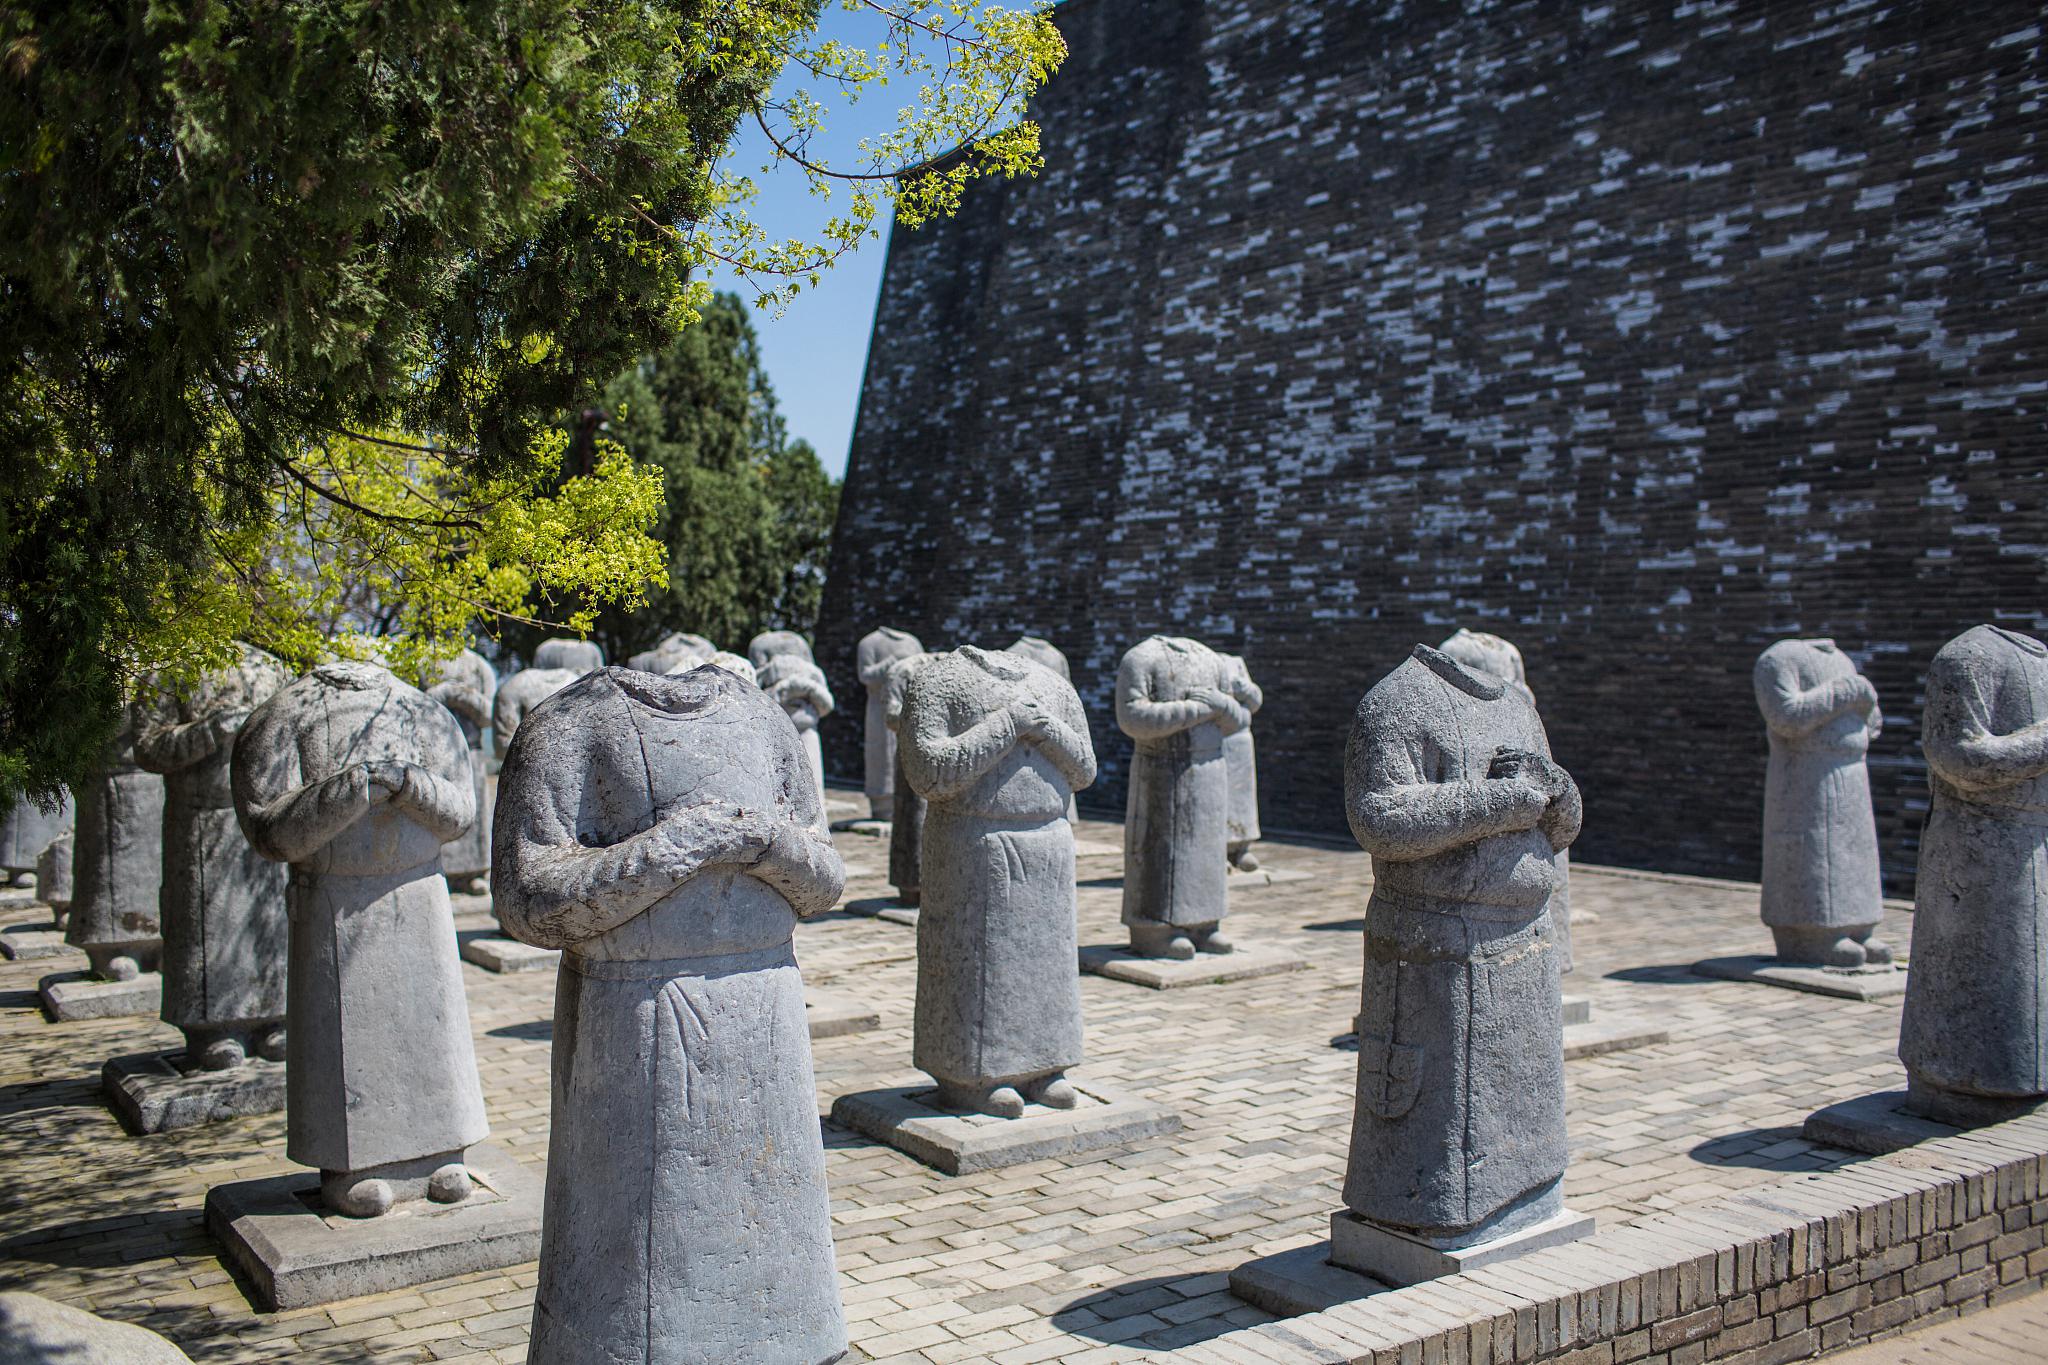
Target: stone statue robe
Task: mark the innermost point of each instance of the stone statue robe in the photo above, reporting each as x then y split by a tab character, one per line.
906	822
117	862
222	907
1240	755
998	995
687	1217
1820	834
518	695
27	831
1048	655
1176	827
468	686
379	1063
1975	1021
878	649
1460	1105
798	686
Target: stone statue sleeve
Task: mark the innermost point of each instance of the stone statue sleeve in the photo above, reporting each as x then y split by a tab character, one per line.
872	665
1398	814
1067	742
940	764
285	818
439	792
1139	715
465	701
1248	693
1792	712
164	744
801	864
1956	728
505	712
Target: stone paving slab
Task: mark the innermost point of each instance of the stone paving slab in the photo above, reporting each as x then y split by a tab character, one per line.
1875	1125
71	996
832	1015
1768	971
501	955
912	1120
155	1092
30	942
1249	961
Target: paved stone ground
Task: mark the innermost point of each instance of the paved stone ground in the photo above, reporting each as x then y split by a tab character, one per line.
2010	1334
1101	1258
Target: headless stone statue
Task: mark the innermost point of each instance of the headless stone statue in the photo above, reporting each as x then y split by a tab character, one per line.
725	659
222	908
995	745
578	656
1048	655
1821	894
1241	762
770	644
117	863
664	833
53	877
1974	1037
906	827
520	693
25	832
468	686
872	657
1172	699
675	654
357	779
798	686
1458	1136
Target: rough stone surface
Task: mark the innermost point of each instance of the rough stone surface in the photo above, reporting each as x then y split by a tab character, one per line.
666	834
1173	700
495	954
518	695
296	1257
798	686
906	824
1459	1131
27	830
921	1123
157	1092
879	649
1872	1124
117	862
468	686
1975	1028
576	656
1822	893
1249	961
1881	983
673	653
996	745
222	909
731	663
357	779
70	996
39	1331
29	942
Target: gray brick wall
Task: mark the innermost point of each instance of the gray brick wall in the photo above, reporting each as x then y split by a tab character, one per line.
1642	335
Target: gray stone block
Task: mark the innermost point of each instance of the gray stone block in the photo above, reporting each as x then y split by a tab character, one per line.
1290	1283
905	915
1577	1009
1240	880
957	1143
503	955
70	996
1875	1125
296	1253
1611	1033
1398	1259
32	942
1204	969
832	1015
1879	983
1097	848
866	829
157	1092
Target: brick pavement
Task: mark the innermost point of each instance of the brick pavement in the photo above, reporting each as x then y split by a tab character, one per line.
2011	1334
1089	1259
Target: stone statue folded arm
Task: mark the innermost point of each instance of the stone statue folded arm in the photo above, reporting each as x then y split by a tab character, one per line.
1398	814
1793	713
802	690
444	808
800	862
164	745
1141	716
1064	739
1957	738
941	765
284	819
1248	693
465	701
1227	711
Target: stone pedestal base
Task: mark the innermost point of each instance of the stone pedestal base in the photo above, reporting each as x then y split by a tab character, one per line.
905	915
1203	969
911	1121
1398	1259
1577	1009
28	942
509	955
865	827
68	996
1290	1283
1610	1033
1097	848
156	1092
1880	983
296	1253
1266	876
832	1015
1878	1125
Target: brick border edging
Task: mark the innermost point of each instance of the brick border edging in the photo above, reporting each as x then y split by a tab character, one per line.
1775	1274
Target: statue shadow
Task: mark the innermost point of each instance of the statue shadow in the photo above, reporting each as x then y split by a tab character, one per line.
1783	1149
21	1000
867	907
531	1031
1664	974
55	1092
1105	1315
1338	926
1104	883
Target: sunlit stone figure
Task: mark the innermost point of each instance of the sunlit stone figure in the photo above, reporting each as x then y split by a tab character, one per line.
878	649
117	863
468	686
798	686
1241	762
673	653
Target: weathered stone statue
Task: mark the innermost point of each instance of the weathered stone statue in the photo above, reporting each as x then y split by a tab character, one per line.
1241	762
468	686
53	877
730	662
1975	1033
117	864
673	653
25	832
578	656
1821	894
222	909
664	833
906	827
1172	699
995	745
771	644
529	687
1459	1131
357	779
877	650
1042	652
798	686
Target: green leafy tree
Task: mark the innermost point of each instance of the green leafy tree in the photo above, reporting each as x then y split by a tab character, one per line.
262	255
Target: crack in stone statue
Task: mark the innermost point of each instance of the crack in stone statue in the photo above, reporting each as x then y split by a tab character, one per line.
996	745
877	650
1173	700
357	780
222	906
118	862
1822	897
467	685
664	833
1974	1036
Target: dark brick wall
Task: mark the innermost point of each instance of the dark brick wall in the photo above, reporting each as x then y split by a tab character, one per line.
1641	335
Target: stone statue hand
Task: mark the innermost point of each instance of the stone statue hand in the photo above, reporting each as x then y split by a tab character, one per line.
1532	768
1866	696
387	778
1216	699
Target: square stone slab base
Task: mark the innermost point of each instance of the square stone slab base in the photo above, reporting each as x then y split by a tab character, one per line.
870	829
1398	1259
909	1120
1096	848
81	995
1577	1009
156	1092
905	915
1610	1033
1876	1125
832	1015
296	1253
1290	1283
503	955
1266	876
1116	962
1882	984
27	942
